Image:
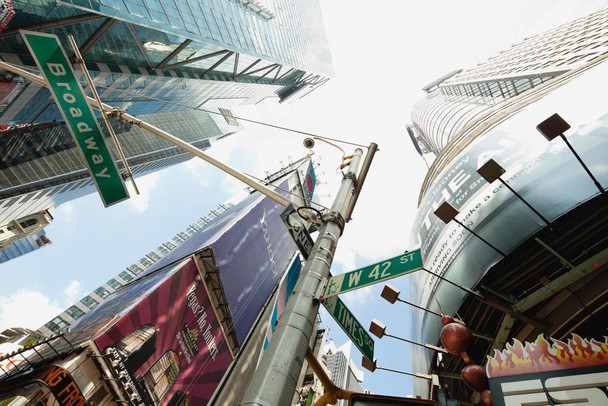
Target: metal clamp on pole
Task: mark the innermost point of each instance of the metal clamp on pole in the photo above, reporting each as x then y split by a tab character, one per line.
335	217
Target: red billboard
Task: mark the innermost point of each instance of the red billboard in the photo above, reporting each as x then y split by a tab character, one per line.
168	348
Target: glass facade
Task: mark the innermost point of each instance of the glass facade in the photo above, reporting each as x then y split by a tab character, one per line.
161	60
42	167
24	245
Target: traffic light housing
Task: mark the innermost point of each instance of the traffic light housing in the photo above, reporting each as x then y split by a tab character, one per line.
364	399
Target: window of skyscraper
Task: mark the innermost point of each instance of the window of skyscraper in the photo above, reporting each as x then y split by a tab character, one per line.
135	269
28	223
89	302
125	276
57	324
102	292
74	312
115	284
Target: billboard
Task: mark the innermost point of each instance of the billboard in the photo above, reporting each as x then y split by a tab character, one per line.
310	181
169	345
160	332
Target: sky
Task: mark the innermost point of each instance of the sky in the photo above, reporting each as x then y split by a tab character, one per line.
384	52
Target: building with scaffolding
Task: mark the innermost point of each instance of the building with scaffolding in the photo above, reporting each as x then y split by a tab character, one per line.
511	213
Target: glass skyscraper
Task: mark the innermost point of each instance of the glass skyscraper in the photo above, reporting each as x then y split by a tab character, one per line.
161	60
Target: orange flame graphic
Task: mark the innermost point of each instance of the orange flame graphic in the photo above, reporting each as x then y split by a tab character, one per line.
541	356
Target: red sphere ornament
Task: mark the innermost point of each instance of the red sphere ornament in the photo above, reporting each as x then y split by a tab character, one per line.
475	377
445	320
456	338
486	398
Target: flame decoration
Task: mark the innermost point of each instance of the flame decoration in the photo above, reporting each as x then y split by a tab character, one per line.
541	356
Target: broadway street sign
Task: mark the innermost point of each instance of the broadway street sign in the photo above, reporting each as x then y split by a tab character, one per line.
82	123
351	326
379	272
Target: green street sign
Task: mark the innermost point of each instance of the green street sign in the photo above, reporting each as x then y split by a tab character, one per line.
379	272
78	115
351	326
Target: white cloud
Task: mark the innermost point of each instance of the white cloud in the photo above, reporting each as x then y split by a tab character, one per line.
145	185
358	299
72	291
65	211
26	308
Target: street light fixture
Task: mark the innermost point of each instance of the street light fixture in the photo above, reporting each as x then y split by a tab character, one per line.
391	294
491	171
378	329
372	366
555	126
446	212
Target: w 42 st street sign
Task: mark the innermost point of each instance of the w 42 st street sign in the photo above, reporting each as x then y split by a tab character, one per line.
379	272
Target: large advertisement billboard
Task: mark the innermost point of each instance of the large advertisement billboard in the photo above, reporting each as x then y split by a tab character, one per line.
170	342
545	174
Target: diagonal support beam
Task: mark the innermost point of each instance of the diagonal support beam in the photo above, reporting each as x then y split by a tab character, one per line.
173	54
284	74
276	65
562	282
97	35
236	64
218	63
199	58
247	68
261	69
139	45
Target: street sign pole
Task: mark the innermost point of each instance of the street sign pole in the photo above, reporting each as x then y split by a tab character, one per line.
275	379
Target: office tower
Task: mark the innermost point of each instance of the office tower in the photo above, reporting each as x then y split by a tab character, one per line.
162	61
343	369
528	221
24	245
42	168
463	98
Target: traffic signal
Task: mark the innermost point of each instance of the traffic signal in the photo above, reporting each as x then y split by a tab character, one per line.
363	399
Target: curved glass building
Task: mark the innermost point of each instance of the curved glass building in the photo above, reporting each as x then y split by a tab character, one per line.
533	243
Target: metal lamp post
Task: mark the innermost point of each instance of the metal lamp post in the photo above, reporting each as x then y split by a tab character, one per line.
491	171
555	126
378	329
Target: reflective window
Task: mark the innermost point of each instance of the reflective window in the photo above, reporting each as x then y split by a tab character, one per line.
114	284
102	292
89	302
74	312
